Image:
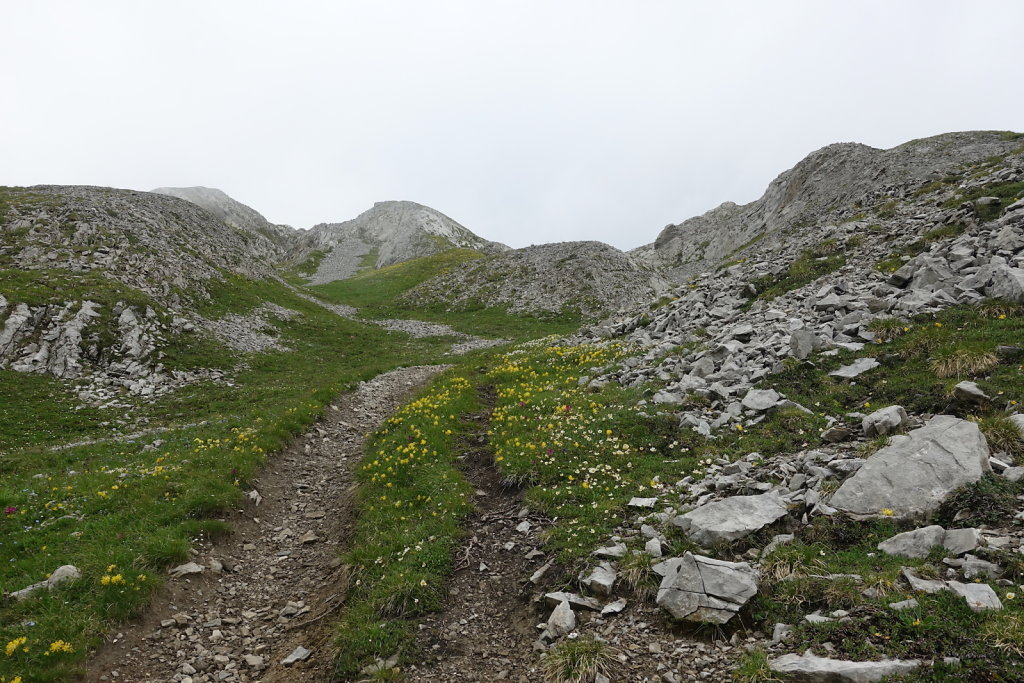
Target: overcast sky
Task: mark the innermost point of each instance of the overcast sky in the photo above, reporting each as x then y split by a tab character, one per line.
527	122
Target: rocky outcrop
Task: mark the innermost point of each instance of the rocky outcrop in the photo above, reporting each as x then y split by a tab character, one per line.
702	589
388	233
273	241
105	279
913	475
588	279
844	176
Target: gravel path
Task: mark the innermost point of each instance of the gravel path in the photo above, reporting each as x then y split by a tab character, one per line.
273	585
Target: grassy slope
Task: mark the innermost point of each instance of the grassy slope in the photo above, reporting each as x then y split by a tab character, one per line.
135	508
374	291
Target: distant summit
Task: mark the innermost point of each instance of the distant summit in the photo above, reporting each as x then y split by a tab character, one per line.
387	233
235	214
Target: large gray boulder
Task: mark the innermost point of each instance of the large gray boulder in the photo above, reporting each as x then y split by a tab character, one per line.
732	518
884	421
1007	283
809	668
915	473
919	542
702	589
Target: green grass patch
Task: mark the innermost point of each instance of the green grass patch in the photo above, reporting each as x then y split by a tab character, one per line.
1006	192
374	293
138	505
810	265
907	374
411	502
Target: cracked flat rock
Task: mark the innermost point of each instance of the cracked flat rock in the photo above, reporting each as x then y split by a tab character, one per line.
809	668
702	589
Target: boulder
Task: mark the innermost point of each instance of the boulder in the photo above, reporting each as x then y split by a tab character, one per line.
1007	283
979	596
969	392
915	473
601	579
562	620
802	343
809	668
702	589
917	543
761	399
730	519
855	369
884	421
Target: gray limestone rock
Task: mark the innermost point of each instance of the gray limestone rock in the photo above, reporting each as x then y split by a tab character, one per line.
884	421
601	579
761	400
969	392
731	518
915	473
809	668
802	343
1007	283
917	543
562	620
855	369
979	596
703	589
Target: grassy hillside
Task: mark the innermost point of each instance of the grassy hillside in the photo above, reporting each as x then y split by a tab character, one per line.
123	510
374	291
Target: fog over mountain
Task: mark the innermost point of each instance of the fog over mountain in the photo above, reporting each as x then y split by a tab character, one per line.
531	122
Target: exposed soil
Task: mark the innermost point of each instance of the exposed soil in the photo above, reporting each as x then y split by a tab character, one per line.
281	577
488	624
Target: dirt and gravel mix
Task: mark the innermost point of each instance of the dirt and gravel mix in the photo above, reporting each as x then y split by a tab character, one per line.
274	585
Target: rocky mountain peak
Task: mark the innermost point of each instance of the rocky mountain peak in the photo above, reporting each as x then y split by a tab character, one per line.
826	186
239	216
387	233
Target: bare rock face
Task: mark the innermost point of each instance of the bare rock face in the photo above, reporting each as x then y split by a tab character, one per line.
386	234
836	175
113	275
915	473
590	279
269	241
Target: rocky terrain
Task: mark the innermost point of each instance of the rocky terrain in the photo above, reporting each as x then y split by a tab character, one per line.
839	362
98	281
387	233
834	180
588	279
239	216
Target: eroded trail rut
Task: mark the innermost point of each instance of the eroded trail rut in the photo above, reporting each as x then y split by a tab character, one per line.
275	583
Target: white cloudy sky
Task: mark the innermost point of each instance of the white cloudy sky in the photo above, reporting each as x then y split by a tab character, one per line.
527	121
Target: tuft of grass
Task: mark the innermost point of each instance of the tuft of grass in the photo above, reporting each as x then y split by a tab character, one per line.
753	667
999	309
963	362
887	329
1002	434
579	660
990	500
635	570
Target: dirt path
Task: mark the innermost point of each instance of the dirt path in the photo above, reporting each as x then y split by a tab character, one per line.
487	628
273	585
